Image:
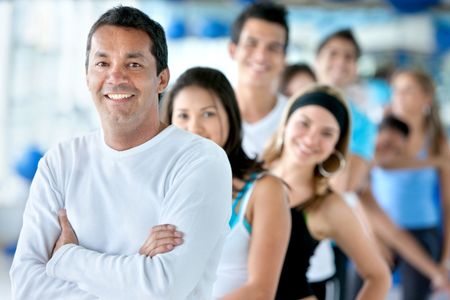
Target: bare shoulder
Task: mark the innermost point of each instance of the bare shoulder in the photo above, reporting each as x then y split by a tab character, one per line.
269	185
332	202
270	192
335	212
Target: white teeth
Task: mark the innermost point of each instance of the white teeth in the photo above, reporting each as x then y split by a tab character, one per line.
306	150
118	96
259	68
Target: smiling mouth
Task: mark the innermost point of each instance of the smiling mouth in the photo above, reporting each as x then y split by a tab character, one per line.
118	96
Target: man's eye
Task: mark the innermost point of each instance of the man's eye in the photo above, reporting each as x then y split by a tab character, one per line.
134	65
101	64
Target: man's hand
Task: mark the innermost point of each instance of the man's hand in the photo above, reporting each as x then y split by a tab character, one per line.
162	239
67	235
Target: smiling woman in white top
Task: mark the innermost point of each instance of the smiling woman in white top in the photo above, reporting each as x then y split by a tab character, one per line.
202	101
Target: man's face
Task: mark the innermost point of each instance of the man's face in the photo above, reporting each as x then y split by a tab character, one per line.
390	142
260	52
336	63
122	79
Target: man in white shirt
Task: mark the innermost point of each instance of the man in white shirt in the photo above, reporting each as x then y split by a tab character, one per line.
259	40
94	198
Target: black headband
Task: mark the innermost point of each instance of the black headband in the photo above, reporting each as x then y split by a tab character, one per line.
327	101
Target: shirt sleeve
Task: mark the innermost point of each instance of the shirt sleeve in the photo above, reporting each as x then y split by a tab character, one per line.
363	133
39	233
198	203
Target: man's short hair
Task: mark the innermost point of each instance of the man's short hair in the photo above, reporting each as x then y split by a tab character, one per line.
345	34
130	17
392	122
266	11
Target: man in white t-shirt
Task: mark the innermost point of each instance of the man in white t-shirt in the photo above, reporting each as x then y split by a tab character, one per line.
94	198
259	40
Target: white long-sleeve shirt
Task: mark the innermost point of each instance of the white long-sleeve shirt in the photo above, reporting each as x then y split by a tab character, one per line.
113	198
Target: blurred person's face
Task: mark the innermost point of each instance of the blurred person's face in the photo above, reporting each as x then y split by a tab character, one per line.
259	53
122	79
389	142
200	111
310	136
408	97
336	63
298	82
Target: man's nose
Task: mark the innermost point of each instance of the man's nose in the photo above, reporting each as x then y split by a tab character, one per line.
117	75
261	53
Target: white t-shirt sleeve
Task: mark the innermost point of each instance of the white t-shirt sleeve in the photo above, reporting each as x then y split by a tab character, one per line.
198	203
39	233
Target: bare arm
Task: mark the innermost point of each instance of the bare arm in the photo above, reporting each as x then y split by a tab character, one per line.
271	224
352	177
444	177
405	162
343	227
402	242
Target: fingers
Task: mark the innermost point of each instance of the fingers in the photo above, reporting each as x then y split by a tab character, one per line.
162	239
163	227
165	244
160	246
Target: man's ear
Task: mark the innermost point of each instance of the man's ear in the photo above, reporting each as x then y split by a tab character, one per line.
232	49
164	78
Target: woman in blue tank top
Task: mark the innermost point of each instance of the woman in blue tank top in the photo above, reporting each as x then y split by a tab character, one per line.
202	101
413	197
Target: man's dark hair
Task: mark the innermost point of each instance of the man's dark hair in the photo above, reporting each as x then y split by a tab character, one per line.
266	11
392	122
125	16
345	34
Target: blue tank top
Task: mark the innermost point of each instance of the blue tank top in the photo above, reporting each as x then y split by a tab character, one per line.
408	196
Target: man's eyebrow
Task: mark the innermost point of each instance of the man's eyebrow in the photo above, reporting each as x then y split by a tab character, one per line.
100	54
135	55
128	55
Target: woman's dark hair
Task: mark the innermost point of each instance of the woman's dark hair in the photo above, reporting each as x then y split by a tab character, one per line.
215	81
291	71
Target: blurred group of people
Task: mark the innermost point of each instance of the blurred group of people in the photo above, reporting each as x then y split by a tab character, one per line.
322	203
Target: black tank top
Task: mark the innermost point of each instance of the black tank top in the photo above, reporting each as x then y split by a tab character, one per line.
293	282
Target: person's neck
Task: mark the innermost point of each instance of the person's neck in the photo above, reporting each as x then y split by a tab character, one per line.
255	103
299	178
121	138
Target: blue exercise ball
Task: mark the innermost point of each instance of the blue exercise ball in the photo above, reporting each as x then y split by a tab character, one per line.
27	164
213	28
176	29
412	6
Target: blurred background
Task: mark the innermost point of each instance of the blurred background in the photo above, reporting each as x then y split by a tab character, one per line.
44	99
